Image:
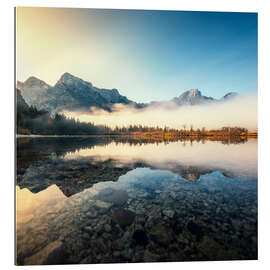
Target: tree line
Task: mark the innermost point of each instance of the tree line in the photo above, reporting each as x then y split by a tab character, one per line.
33	121
30	120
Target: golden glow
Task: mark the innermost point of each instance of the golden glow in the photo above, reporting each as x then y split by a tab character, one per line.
144	54
29	204
52	41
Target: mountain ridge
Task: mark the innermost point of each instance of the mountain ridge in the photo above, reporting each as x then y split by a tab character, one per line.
69	93
73	93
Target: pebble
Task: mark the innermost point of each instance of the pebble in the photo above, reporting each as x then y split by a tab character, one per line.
107	228
123	217
140	237
173	195
161	234
88	229
168	213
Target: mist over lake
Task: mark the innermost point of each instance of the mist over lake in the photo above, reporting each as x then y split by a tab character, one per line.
240	111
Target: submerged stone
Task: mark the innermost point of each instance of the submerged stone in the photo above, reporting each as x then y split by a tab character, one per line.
161	234
195	229
168	213
215	251
173	195
88	229
123	217
140	237
99	245
107	228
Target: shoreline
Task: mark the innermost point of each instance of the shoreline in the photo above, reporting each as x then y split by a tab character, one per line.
143	135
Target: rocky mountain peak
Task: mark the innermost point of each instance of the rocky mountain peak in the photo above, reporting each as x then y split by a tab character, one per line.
69	79
32	89
67	76
194	93
32	79
35	82
191	97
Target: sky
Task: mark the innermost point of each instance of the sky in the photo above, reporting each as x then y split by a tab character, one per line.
146	55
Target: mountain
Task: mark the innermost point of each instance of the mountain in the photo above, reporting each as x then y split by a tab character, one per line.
195	97
69	93
192	97
72	93
32	89
20	102
86	93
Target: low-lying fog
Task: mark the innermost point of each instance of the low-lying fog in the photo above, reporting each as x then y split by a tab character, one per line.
240	111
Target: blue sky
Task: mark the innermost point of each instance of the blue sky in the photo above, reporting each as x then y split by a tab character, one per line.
147	55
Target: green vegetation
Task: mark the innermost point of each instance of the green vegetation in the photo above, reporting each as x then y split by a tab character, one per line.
33	121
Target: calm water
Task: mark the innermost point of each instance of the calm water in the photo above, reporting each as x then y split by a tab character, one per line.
102	200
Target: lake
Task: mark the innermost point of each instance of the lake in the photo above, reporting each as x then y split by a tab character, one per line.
113	200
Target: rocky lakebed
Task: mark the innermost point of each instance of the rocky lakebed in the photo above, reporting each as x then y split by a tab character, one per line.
83	212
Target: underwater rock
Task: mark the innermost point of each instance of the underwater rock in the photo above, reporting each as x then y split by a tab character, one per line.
140	237
161	234
123	217
195	229
168	213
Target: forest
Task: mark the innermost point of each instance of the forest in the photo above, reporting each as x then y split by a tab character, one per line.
33	121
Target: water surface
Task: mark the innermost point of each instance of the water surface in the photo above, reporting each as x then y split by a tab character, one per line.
101	200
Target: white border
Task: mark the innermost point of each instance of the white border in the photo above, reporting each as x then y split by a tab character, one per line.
7	116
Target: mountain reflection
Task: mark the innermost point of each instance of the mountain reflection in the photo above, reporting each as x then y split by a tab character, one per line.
79	198
77	163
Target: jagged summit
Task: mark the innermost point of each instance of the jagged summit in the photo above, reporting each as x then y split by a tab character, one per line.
67	76
32	79
32	82
69	79
32	88
193	93
192	97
